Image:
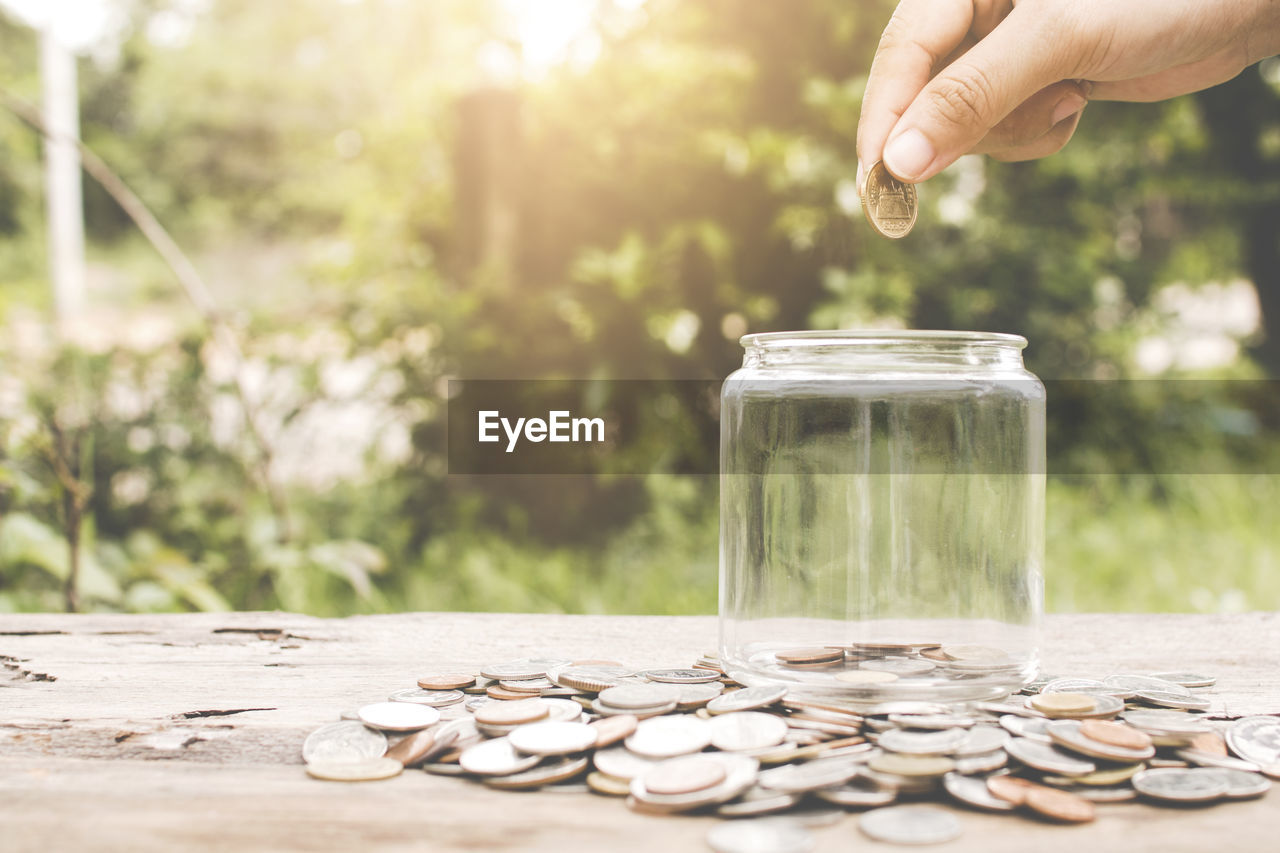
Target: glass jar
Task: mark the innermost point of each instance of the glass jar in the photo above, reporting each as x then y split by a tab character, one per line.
882	515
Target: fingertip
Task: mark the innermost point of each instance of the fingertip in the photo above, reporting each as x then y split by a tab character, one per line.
908	155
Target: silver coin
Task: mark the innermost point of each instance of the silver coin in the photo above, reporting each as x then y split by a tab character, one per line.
985	763
598	707
565	710
1242	785
1116	794
1165	699
808	775
431	698
765	835
941	742
746	730
884	709
680	676
344	741
910	825
1066	734
1072	685
740	774
621	763
554	737
746	699
594	677
478	701
517	670
639	696
1187	679
1199	785
697	695
1256	739
974	792
931	721
1047	758
667	737
1137	683
980	654
1025	727
1104	705
859	792
1200	758
363	770
981	740
540	775
398	716
1003	708
899	666
496	757
758	801
1168	722
527	685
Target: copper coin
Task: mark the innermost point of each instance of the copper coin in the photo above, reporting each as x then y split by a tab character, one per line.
446	682
410	750
610	730
815	655
512	713
684	775
1117	734
1058	805
1011	789
497	692
890	204
933	654
1210	742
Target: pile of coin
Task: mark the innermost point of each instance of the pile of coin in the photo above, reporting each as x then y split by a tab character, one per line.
673	741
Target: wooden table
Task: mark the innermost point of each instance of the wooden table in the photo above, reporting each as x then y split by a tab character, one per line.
138	733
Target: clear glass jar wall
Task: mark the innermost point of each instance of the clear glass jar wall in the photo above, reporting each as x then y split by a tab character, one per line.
882	515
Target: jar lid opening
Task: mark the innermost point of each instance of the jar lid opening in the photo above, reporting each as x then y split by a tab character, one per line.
872	338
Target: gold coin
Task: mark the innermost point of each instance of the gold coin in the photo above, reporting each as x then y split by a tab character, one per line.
912	765
1062	703
514	713
890	205
610	786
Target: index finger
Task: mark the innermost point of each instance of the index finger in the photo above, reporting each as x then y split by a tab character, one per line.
918	36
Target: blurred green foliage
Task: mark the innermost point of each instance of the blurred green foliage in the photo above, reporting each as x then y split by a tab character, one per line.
380	206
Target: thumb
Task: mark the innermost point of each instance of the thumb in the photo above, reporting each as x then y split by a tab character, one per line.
970	96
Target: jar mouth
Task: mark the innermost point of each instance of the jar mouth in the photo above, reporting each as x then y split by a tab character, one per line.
874	338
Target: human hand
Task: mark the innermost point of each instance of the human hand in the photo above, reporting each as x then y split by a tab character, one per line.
1010	78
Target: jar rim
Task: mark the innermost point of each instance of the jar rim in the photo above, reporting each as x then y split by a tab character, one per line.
883	337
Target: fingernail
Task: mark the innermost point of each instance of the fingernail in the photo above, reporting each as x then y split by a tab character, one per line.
862	178
908	154
1067	107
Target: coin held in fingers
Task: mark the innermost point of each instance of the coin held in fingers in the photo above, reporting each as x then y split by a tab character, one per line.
890	204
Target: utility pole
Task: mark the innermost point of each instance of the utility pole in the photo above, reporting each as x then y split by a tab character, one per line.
64	204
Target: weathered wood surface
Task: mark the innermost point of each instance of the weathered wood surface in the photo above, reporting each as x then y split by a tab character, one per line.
183	732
